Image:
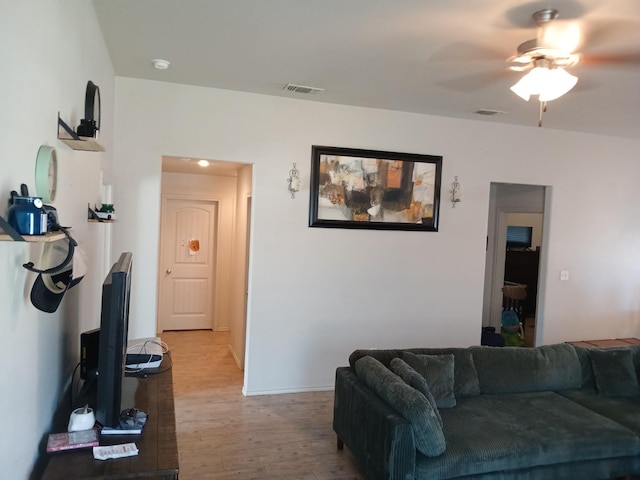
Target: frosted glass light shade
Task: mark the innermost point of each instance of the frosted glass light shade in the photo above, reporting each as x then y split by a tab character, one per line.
549	84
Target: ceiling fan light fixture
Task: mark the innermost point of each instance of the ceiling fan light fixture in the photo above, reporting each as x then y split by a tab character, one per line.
547	83
523	88
558	82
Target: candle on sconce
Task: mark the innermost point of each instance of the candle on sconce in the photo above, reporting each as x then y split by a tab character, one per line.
107	194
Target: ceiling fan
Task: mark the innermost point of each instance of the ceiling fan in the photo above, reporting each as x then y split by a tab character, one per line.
545	58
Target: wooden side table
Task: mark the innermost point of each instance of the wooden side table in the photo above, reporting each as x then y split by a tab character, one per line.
615	342
157	445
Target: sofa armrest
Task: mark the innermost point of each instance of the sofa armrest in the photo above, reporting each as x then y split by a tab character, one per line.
381	440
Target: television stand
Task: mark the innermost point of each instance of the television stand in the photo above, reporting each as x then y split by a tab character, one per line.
157	444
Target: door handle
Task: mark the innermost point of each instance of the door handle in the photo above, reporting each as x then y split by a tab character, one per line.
168	270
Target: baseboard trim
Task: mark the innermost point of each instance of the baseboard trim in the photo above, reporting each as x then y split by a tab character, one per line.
235	358
279	391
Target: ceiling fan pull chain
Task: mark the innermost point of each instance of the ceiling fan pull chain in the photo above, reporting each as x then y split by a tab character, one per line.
540	115
543	109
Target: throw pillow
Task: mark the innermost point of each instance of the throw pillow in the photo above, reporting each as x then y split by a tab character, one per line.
438	371
407	401
417	381
614	372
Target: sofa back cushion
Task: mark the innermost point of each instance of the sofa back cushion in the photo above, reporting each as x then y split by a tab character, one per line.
588	380
614	372
519	370
464	373
405	400
437	370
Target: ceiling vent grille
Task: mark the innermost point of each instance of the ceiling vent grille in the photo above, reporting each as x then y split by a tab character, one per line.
487	112
291	87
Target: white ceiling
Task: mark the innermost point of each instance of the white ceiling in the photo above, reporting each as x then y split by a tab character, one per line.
440	57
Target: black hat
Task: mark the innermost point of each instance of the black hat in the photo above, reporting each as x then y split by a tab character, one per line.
64	265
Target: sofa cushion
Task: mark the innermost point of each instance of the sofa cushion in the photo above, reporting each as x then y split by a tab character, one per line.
384	356
438	371
465	376
494	434
588	382
622	410
407	401
415	380
515	369
614	372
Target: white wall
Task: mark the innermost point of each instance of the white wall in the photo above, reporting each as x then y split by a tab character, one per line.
316	294
49	50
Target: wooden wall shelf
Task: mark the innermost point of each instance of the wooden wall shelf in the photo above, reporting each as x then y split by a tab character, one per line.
93	220
47	237
76	142
92	216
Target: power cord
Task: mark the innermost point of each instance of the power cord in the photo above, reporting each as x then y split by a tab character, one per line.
71	392
141	349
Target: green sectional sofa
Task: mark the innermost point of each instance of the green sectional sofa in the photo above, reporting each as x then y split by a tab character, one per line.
549	412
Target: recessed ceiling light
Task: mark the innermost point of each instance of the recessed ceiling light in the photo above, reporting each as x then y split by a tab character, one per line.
160	64
203	163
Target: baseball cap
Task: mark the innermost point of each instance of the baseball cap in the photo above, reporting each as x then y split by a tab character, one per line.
63	266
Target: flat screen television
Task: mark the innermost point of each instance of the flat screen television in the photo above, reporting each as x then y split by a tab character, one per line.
114	330
519	236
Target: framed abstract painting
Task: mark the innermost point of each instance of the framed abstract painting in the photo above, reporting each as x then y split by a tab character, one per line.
371	189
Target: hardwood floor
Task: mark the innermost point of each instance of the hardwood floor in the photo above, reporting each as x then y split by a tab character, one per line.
225	435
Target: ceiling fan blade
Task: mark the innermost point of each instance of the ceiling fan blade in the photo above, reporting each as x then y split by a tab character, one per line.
563	35
474	82
585	84
621	59
610	35
466	52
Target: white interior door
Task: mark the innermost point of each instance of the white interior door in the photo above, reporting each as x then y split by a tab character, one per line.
188	252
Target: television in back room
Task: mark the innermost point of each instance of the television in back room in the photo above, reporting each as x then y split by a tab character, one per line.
112	351
519	236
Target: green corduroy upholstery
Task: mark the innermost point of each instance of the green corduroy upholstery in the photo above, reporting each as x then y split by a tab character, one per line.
492	433
415	380
438	371
538	417
517	370
614	372
465	376
374	432
407	401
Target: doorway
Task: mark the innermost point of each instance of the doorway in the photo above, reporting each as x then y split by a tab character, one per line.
519	210
203	228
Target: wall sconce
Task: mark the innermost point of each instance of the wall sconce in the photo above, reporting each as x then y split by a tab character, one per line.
294	181
455	192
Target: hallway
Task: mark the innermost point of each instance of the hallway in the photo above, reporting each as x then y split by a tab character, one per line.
225	435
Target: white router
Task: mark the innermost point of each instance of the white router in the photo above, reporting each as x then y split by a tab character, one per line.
144	353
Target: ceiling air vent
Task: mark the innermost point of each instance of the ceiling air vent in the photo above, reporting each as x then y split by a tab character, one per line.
290	87
485	111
